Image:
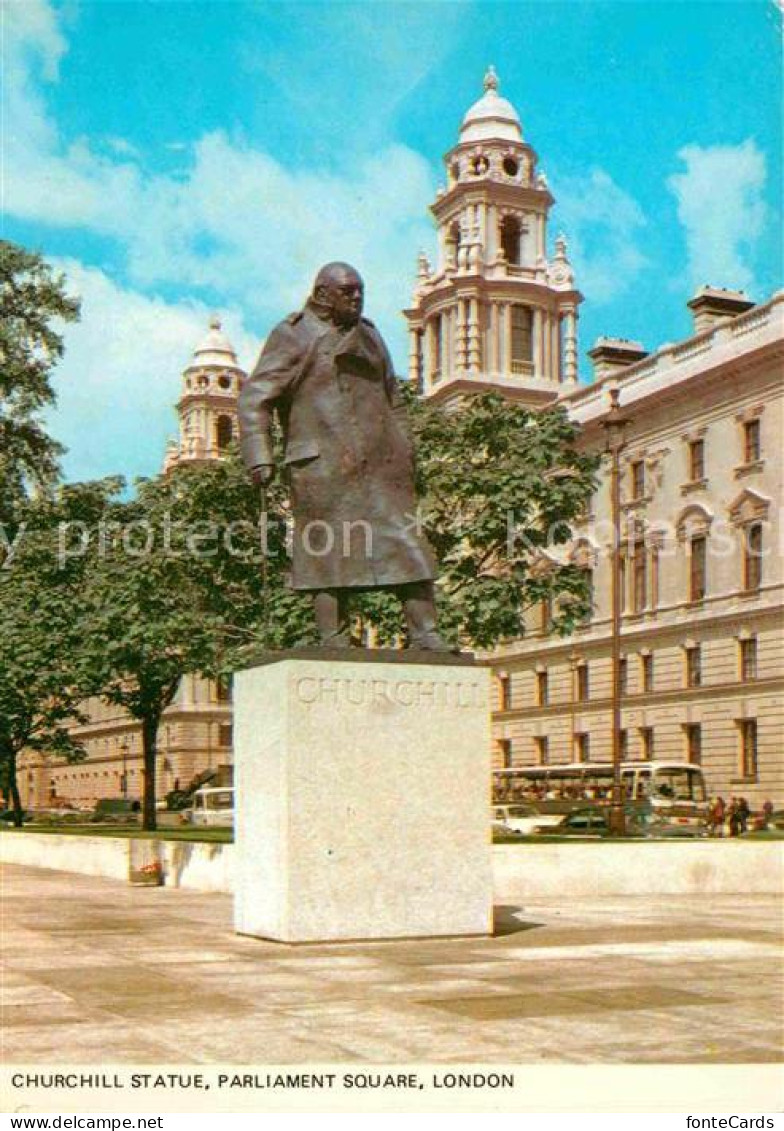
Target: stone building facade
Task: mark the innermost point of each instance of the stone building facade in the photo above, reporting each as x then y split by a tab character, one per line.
701	635
702	631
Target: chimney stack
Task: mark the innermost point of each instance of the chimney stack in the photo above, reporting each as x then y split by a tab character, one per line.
712	306
610	355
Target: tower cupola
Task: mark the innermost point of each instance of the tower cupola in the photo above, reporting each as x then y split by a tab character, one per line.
494	312
207	409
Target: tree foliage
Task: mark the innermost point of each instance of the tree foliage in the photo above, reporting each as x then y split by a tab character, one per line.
32	299
43	678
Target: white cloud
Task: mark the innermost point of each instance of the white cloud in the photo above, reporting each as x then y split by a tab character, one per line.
721	207
604	225
236	222
120	376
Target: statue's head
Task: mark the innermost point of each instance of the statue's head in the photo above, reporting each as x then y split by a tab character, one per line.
340	290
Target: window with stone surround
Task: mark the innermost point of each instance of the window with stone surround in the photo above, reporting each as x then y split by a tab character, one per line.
583	746
747	649
225	734
542	751
692	733
698	552
522	344
511	237
696	460
752	441
646	662
504	691
436	356
637	478
646	743
505	750
623	675
583	683
542	689
693	666
639	577
623	743
224	432
752	556
747	752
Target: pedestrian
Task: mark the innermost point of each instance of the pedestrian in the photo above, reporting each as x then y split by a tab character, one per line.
718	813
733	817
744	812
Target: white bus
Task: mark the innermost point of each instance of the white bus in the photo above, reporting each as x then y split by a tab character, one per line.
673	791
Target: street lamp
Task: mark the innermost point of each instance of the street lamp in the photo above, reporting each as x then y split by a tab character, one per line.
574	657
124	774
614	425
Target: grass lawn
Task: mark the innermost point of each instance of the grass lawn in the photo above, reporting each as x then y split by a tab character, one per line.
203	835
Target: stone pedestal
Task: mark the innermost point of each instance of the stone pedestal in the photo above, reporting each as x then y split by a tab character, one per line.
362	797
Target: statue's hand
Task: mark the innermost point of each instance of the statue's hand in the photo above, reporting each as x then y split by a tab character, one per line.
262	474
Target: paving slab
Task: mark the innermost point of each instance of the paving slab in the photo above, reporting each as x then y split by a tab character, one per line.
95	971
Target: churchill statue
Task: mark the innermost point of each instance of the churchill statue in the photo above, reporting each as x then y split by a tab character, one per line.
326	372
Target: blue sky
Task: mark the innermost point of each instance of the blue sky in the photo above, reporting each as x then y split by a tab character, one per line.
176	158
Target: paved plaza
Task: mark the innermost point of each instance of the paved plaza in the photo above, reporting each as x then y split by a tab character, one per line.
95	971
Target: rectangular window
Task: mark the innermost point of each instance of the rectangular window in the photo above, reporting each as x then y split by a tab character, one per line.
522	337
694	666
640	577
623	743
505	750
693	734
223	690
752	448
748	748
696	460
546	614
504	693
541	748
637	473
646	743
752	557
697	567
542	689
225	734
748	658
583	684
623	674
583	747
647	673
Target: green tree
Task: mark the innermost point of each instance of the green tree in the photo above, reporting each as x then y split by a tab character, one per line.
501	487
175	584
32	298
42	676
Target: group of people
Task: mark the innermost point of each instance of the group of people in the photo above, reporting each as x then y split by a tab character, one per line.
731	818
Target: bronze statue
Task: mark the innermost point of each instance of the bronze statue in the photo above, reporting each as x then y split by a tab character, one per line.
327	373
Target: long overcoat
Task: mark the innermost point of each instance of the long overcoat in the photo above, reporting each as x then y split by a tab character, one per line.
347	453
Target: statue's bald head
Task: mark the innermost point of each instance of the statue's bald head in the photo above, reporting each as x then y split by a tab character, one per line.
339	288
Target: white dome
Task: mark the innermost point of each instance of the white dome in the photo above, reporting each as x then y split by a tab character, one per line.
492	116
215	349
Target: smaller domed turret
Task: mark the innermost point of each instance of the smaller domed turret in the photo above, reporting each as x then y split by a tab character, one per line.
492	117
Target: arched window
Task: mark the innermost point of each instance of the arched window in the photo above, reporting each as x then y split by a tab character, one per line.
224	432
511	231
522	338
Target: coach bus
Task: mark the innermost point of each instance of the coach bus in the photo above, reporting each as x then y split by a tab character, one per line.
673	792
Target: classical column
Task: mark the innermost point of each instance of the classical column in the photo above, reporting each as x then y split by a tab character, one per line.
474	351
492	338
570	346
555	349
540	234
537	335
506	354
415	358
491	240
460	335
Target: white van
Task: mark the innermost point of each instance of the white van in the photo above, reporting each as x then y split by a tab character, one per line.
213	805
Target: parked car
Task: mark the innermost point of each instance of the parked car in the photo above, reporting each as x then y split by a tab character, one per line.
592	823
523	817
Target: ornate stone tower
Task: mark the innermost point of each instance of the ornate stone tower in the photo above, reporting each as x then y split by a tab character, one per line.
208	406
495	313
